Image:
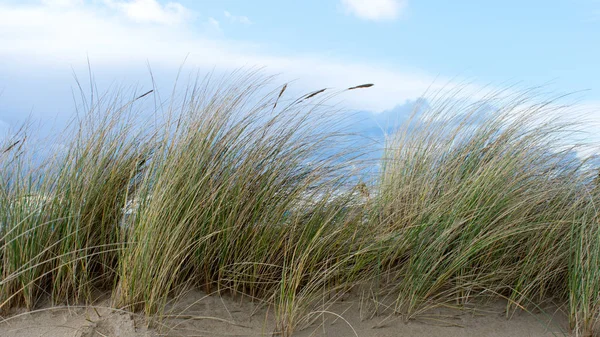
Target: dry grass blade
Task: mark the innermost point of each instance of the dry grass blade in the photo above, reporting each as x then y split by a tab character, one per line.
362	86
279	96
144	95
313	94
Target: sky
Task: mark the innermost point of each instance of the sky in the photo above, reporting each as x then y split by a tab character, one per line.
404	47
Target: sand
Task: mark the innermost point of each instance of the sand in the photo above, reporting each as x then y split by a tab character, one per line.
202	315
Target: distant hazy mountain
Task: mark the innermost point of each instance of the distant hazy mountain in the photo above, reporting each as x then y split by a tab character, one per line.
377	125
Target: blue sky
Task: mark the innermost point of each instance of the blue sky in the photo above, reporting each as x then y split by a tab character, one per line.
403	46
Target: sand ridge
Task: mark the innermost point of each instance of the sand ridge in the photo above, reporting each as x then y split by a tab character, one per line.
198	314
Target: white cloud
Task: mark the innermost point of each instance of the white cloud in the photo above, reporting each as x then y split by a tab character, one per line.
375	10
212	26
44	37
237	18
213	22
151	11
41	36
63	3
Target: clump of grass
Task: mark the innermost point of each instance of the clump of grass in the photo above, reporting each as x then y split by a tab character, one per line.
234	189
583	272
479	198
61	218
20	241
239	201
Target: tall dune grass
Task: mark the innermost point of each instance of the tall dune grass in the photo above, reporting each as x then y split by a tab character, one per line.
477	201
60	220
232	189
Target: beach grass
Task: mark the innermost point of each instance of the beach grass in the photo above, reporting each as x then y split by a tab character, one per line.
232	187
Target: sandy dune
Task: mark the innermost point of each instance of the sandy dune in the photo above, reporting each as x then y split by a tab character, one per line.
201	315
